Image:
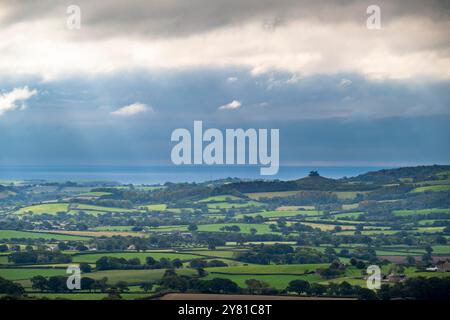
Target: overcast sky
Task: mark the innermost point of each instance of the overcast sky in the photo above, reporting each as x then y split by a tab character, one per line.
112	91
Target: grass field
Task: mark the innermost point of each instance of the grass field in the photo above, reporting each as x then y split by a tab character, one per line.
259	195
93	194
4	259
9	234
292	269
181	228
419	212
100	208
441	249
215	253
428	222
156	207
93	257
282	213
100	233
295	208
163	207
27	273
220	198
443	187
231	205
275	281
368	232
430	229
48	208
137	276
347	195
350	206
346	215
245	227
328	227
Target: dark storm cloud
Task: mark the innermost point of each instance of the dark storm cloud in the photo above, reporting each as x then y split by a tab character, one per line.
172	18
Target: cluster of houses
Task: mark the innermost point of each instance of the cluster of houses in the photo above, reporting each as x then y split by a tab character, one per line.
440	266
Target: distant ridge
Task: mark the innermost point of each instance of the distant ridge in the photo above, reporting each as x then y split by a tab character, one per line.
390	175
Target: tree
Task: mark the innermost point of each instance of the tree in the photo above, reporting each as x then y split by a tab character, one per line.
39	283
3	248
317	289
169	273
410	260
201	272
63	246
192	227
441	240
366	294
147	286
427	258
85	267
101	284
298	286
256	286
150	261
11	288
198	263
345	288
211	245
113	294
330	252
134	261
87	284
122	286
221	285
177	263
57	284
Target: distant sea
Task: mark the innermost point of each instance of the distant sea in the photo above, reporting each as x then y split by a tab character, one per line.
167	173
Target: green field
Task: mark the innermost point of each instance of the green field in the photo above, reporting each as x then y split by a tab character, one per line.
156	207
215	253
290	269
136	276
93	194
245	227
4	259
231	205
430	229
441	249
443	187
260	195
27	273
170	228
275	281
419	212
48	208
220	198
93	257
10	234
348	215
100	208
347	195
281	213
